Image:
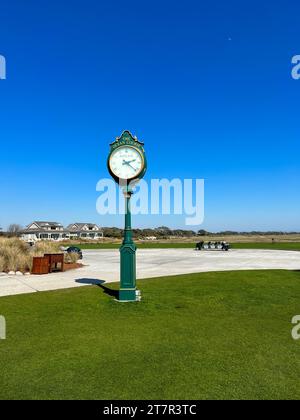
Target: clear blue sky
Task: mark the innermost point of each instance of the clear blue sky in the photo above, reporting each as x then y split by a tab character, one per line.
207	86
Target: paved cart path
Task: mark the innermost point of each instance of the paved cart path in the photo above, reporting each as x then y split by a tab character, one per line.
104	265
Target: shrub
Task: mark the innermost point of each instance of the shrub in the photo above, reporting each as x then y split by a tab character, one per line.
2	264
71	258
25	263
12	256
12	251
16	255
45	247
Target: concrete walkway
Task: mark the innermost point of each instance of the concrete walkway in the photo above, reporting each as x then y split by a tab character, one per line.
104	265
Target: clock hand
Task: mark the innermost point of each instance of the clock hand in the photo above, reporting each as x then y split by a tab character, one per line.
132	167
128	162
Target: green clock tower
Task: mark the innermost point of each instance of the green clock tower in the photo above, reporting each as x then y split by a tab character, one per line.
127	165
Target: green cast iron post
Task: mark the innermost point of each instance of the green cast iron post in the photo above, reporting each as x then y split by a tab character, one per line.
128	230
125	144
128	256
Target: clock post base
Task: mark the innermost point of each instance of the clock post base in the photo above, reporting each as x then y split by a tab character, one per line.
127	291
127	295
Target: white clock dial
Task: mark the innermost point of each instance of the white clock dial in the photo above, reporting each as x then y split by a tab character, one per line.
126	162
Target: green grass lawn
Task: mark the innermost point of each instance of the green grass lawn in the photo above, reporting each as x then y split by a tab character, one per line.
284	246
201	336
287	246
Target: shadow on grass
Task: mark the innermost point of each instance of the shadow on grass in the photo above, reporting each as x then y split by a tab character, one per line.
100	283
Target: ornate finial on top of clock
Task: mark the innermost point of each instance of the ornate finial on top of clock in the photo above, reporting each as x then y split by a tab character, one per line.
126	135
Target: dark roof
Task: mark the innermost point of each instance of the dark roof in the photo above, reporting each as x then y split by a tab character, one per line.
42	225
80	226
46	223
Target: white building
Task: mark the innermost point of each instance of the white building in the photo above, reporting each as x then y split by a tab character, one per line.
85	231
53	231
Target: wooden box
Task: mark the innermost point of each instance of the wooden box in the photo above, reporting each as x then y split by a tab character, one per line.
40	265
56	262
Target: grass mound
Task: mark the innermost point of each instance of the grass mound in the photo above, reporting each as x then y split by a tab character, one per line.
200	336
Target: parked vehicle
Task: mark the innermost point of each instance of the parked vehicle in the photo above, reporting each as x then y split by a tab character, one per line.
75	250
218	246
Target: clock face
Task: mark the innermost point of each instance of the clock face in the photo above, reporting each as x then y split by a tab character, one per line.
126	162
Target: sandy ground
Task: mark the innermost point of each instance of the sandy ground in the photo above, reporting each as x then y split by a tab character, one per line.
104	265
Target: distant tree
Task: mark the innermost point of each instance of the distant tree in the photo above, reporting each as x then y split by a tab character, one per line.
148	232
163	231
14	229
202	232
189	233
228	233
112	232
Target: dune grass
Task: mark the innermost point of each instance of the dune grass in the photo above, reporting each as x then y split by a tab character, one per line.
200	336
16	255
